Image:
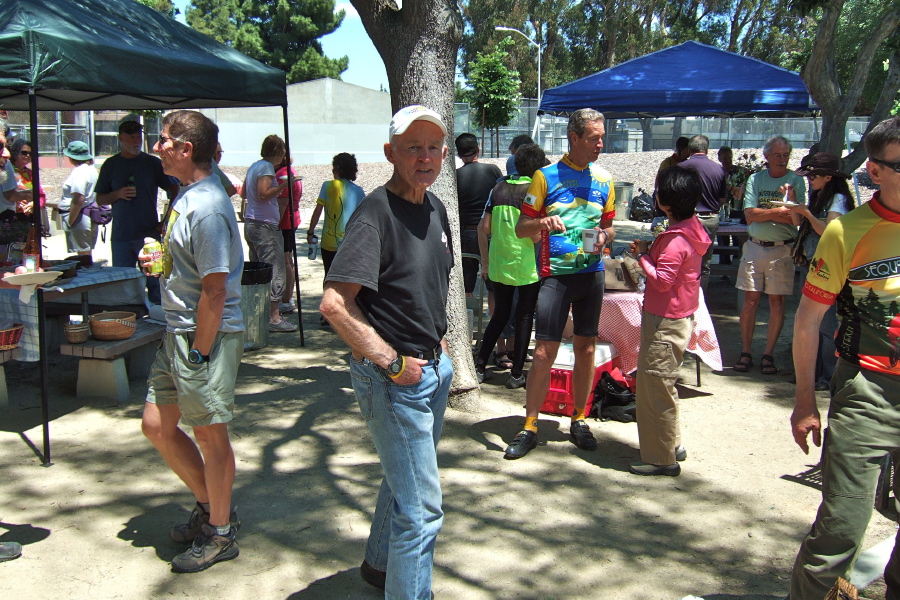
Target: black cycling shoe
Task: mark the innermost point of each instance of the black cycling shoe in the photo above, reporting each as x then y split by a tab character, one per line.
582	436
523	443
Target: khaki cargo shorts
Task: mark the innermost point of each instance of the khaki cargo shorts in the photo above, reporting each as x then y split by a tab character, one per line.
768	269
204	393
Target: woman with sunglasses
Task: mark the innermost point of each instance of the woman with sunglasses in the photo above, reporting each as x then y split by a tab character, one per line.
829	198
20	155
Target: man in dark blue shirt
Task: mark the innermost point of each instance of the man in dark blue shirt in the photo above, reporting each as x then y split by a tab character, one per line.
129	181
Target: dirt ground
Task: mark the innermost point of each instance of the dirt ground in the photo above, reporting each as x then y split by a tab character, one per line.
559	523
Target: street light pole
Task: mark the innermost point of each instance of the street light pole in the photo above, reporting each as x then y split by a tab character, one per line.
538	46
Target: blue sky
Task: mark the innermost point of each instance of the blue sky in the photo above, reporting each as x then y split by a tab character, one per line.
351	40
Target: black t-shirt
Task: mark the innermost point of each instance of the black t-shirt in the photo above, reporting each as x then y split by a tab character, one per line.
401	255
474	182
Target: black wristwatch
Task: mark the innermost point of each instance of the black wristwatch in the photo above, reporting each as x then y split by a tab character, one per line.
195	358
395	366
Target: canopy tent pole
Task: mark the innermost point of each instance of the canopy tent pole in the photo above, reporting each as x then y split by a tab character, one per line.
290	209
36	213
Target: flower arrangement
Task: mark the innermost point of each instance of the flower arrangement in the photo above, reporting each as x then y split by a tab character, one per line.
749	163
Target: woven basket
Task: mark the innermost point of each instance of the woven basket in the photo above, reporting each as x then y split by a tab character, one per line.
113	325
9	338
77	333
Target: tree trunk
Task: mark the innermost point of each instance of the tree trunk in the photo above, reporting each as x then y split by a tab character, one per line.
418	45
820	77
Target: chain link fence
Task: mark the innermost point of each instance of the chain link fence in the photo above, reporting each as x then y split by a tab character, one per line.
57	128
631	135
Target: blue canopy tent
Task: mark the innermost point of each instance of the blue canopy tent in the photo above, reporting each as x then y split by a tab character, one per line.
690	79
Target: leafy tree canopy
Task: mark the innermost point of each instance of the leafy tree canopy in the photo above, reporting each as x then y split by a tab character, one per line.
280	33
166	7
582	37
495	87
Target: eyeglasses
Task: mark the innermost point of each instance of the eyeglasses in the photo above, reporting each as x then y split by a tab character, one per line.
813	176
163	139
25	152
895	166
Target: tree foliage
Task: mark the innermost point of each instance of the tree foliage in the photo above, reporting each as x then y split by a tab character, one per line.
166	7
847	50
280	33
495	87
839	95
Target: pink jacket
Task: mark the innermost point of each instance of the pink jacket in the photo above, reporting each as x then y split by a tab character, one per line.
673	270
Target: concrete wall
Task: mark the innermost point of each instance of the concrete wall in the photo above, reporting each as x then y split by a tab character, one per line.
325	116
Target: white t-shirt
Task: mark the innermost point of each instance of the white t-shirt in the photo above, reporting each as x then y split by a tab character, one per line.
265	211
82	180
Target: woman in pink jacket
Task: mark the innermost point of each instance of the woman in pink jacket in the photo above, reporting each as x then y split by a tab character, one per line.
672	295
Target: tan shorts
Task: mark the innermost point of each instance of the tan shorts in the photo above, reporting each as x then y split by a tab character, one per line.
204	393
768	269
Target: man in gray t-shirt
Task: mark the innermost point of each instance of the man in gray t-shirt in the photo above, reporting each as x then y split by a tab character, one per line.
192	379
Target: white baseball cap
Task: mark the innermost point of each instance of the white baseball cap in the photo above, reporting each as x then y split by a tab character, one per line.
407	116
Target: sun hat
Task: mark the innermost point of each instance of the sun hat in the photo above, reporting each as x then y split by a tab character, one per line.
78	151
407	116
822	163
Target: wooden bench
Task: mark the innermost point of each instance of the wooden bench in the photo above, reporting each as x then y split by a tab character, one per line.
6	355
101	370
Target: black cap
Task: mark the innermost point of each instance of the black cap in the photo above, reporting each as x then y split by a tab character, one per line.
466	145
129	127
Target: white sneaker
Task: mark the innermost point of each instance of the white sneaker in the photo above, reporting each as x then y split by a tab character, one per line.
287	308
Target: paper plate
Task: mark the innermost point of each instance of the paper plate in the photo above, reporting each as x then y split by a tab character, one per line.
32	278
780	203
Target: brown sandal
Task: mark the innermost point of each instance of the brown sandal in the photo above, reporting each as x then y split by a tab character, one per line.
767	365
742	367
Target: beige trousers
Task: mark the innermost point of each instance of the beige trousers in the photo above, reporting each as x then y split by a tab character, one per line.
663	342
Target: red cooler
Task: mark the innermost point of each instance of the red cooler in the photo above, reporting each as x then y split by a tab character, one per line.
560	399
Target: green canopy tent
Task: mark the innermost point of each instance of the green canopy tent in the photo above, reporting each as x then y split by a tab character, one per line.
117	54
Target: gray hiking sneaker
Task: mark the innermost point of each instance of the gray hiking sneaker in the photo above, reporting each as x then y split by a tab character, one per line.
281	326
680	454
208	548
10	550
515	382
186	532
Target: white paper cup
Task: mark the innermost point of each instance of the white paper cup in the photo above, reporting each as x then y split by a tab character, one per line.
588	239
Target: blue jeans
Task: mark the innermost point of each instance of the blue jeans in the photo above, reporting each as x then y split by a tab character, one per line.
405	422
125	254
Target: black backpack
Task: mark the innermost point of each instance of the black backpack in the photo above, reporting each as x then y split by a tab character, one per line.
613	401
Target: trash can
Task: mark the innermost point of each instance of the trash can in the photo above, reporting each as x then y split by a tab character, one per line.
255	303
624	194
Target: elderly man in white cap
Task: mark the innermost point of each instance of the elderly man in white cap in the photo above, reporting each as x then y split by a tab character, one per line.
385	295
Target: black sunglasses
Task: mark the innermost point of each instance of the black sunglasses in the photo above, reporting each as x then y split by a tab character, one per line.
163	139
890	165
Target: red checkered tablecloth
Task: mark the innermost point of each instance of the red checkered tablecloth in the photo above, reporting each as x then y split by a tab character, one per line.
620	324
